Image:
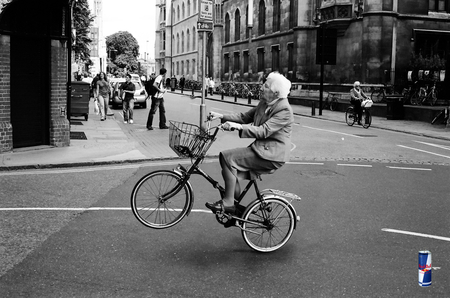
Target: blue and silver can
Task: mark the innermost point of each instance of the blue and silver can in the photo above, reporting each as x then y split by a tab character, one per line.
424	268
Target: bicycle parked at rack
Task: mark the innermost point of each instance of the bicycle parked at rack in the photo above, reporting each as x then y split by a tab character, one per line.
379	94
162	198
442	117
331	102
351	117
425	95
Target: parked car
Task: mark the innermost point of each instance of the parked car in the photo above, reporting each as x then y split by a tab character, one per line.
116	97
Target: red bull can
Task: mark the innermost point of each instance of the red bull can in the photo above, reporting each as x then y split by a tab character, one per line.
424	268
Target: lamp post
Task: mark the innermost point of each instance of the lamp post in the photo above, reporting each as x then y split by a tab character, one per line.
321	30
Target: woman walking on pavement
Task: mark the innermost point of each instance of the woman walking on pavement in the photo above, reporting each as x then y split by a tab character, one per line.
103	90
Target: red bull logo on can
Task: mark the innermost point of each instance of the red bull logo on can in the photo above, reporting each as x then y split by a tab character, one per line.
424	268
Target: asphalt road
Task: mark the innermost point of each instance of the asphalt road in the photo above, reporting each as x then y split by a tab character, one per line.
371	199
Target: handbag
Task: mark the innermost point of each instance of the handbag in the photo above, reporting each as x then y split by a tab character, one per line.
367	103
96	109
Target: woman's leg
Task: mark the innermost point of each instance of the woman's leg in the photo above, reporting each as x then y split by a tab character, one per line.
101	102
230	184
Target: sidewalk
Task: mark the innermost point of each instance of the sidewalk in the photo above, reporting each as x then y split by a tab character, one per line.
107	143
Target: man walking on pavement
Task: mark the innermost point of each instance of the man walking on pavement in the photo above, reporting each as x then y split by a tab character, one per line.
128	89
182	80
158	101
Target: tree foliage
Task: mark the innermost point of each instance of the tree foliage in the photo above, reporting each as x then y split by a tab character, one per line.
82	20
123	50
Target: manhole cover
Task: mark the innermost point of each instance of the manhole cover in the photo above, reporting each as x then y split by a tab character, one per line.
366	136
77	135
76	123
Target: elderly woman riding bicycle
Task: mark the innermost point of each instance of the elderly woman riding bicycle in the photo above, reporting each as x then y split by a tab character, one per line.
270	123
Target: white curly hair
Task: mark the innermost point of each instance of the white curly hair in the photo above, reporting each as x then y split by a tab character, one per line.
279	84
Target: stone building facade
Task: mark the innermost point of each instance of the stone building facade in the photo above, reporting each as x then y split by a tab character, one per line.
372	41
34	74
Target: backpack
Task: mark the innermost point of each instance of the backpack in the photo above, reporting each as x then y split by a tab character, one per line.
153	89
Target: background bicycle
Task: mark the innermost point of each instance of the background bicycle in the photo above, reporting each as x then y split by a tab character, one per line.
331	101
162	198
379	94
425	95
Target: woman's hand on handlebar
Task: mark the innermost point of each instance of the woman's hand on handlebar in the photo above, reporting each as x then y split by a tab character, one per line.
230	126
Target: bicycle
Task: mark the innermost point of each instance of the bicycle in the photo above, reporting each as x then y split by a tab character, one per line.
379	95
161	199
425	94
331	102
351	117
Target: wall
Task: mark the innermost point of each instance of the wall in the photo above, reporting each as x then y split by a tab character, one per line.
5	94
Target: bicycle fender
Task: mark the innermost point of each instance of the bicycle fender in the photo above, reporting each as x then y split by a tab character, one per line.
190	190
266	193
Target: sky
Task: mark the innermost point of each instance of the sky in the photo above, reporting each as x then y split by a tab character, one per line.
135	16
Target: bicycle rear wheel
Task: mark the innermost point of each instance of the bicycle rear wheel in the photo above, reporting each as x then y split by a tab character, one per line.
377	95
149	207
333	104
433	97
415	98
350	116
267	225
366	119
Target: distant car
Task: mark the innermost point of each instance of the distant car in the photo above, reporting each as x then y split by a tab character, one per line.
136	78
116	97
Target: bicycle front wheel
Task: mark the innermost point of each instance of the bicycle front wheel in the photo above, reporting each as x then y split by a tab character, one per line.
366	119
148	204
350	116
433	98
267	225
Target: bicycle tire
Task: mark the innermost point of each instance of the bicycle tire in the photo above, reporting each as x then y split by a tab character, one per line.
378	95
146	204
433	97
350	116
268	224
415	98
333	104
366	119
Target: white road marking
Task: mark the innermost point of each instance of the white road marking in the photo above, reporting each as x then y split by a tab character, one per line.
88	209
434	145
305	163
353	165
332	131
416	234
424	151
405	168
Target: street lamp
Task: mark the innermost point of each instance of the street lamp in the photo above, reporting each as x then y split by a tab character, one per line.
321	35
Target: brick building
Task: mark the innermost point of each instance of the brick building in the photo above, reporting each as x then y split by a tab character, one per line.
34	71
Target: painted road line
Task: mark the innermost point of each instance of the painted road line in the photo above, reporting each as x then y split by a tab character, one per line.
416	234
90	209
332	131
424	151
304	163
434	145
405	168
353	165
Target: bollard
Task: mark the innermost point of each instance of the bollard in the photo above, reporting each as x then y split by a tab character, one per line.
235	97
192	91
313	108
249	99
222	95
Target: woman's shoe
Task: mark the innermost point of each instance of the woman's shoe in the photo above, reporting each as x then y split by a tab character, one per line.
219	207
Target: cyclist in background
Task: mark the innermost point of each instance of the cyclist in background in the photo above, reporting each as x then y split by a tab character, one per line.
357	95
270	123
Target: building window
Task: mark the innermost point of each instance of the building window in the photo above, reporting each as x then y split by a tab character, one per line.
237	62
262	18
237	25
178	13
439	5
188	37
189	7
276	17
246	24
178	43
164	40
292	15
246	59
226	59
182	42
276	58
261	59
193	38
227	28
291	60
194	2
183	11
193	64
182	67
178	68
187	66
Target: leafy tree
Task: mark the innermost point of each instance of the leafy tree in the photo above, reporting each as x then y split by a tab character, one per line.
123	50
82	20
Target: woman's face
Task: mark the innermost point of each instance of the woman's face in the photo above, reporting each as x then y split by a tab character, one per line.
102	75
268	95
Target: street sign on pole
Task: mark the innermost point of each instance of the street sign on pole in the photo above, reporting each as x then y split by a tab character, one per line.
206	10
204	26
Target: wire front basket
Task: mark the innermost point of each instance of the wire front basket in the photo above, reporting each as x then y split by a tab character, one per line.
188	140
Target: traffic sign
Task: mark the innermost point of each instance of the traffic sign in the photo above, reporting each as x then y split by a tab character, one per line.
204	26
206	10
